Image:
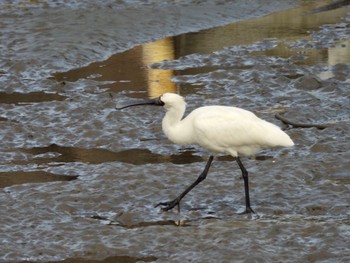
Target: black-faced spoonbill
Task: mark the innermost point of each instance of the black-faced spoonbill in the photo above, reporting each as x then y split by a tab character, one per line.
220	129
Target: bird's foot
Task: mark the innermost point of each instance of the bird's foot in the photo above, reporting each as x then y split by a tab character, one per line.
170	205
248	210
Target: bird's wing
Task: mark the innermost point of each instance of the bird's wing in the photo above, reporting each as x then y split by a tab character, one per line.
227	128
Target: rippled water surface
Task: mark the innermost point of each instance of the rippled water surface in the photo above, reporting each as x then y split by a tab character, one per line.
79	180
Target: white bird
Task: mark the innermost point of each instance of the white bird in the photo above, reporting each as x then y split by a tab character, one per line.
219	129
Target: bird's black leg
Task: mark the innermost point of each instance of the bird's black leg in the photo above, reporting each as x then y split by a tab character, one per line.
176	202
248	209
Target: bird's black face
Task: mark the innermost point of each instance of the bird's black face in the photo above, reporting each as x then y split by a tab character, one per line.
157	102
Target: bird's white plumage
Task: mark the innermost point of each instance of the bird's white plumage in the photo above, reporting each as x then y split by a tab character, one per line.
223	129
220	129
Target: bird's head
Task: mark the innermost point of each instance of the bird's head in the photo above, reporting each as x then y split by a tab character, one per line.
172	100
168	100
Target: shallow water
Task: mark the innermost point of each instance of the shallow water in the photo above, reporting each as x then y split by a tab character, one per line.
79	180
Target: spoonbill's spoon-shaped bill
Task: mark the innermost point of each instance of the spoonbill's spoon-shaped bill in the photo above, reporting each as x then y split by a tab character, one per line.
219	129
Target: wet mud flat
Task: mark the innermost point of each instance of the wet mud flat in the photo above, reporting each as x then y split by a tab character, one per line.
79	180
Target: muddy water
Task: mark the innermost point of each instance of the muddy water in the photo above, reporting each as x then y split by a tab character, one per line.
79	180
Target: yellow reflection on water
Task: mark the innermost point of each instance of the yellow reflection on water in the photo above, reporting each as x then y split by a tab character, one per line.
340	53
130	70
158	80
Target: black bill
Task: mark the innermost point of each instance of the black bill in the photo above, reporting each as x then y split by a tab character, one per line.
156	102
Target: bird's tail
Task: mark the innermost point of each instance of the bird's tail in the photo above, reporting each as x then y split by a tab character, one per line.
277	137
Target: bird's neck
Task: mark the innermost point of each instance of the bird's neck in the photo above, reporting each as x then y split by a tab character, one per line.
173	117
172	125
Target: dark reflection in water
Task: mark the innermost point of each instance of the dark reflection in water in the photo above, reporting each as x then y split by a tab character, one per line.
26	98
22	177
113	259
64	154
61	154
331	6
97	156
